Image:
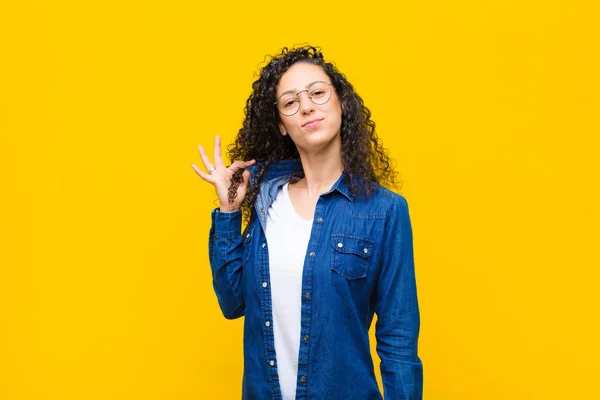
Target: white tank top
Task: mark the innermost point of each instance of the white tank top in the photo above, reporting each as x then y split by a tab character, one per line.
288	235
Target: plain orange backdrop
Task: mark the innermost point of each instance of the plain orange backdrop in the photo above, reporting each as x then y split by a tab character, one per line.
490	109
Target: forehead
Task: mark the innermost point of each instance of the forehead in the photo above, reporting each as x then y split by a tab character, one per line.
299	75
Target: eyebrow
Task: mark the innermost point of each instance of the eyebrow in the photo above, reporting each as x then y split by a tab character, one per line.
294	91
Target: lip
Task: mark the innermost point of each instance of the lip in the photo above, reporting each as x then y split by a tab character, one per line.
313	123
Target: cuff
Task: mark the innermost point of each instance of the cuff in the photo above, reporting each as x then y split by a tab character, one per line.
226	224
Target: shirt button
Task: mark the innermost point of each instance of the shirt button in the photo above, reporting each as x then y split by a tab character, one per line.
247	235
366	250
271	363
307	295
264	284
319	220
268	323
262	210
263	245
312	254
303	379
306	338
340	245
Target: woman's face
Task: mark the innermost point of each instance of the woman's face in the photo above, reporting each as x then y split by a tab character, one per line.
314	127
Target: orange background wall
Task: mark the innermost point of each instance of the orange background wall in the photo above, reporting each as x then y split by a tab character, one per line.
490	109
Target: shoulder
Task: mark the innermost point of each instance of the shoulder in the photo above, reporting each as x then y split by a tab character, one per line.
382	201
394	198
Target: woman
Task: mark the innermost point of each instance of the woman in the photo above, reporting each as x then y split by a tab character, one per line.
325	246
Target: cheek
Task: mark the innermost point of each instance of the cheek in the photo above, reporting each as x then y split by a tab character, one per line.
335	113
336	109
288	124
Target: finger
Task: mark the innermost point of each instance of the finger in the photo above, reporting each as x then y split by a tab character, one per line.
207	164
203	174
218	158
246	177
237	165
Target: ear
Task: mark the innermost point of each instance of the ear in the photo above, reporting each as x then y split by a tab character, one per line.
282	129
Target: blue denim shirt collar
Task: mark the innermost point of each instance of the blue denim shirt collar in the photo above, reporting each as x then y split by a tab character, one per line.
280	172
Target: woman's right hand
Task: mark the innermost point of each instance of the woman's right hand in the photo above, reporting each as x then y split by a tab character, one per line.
220	177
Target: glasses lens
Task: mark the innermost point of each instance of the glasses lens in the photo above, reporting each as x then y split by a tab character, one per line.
320	93
288	104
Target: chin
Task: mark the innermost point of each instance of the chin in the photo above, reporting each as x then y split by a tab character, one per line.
319	140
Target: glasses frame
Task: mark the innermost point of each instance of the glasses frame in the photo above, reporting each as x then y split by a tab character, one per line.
309	97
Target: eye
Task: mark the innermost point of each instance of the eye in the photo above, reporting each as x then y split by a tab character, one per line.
317	93
289	103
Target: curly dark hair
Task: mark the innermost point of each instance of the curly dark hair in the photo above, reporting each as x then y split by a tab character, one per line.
365	161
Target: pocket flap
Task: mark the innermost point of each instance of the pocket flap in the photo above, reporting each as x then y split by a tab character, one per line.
350	244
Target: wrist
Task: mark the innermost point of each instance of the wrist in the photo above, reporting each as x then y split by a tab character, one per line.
227	209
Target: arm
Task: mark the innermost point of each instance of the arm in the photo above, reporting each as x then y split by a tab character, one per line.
225	251
225	246
396	306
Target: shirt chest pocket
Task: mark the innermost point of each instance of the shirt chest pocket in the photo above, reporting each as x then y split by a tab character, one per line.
351	255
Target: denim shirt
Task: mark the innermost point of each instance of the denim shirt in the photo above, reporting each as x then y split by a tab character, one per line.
359	261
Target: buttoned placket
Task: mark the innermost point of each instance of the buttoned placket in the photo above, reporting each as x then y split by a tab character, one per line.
263	201
307	301
262	204
267	315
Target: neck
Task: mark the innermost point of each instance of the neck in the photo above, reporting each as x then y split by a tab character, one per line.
321	170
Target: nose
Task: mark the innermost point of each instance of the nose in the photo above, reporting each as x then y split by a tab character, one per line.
306	104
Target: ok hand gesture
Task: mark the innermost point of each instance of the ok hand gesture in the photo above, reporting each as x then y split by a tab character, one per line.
221	177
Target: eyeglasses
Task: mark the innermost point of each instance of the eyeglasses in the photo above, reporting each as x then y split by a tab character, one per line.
318	92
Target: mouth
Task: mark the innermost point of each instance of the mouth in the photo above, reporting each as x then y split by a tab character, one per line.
313	123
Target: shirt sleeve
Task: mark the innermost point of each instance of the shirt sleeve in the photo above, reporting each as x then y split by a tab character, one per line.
225	248
396	306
